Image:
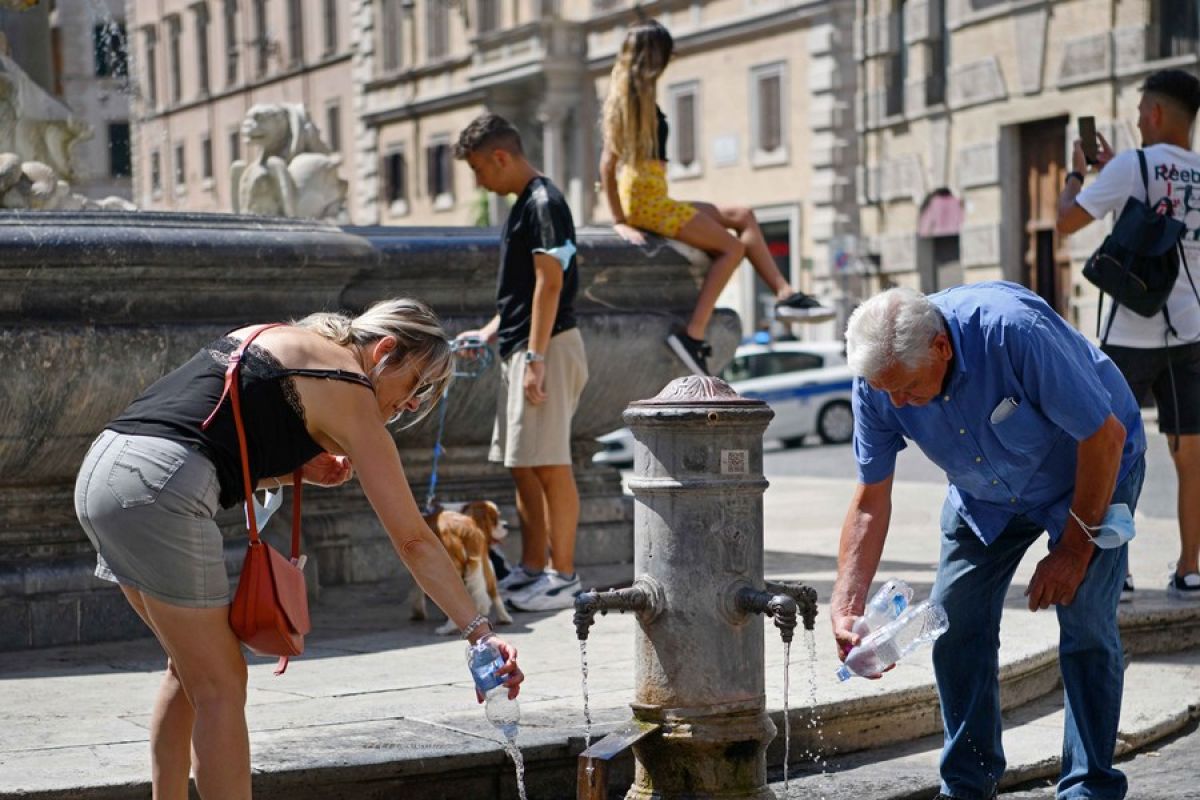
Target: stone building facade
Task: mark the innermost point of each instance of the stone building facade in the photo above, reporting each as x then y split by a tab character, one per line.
201	66
967	111
759	96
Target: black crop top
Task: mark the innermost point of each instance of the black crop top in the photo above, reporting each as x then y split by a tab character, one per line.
277	442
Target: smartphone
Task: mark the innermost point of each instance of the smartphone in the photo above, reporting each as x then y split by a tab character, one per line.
1088	140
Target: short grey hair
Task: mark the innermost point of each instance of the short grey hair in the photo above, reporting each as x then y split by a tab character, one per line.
893	327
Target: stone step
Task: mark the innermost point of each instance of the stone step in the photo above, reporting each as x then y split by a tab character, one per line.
1162	694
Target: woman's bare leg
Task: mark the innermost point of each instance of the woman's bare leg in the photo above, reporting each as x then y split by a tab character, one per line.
170	726
704	232
207	659
742	220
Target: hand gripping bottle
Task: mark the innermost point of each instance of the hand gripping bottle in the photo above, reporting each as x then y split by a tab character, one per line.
484	658
887	604
921	623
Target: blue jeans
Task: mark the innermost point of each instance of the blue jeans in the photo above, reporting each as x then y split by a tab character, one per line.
972	581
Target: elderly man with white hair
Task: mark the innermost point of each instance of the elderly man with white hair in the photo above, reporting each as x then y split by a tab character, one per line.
1037	432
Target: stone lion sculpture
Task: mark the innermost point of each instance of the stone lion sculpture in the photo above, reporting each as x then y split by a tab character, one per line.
293	173
34	125
35	186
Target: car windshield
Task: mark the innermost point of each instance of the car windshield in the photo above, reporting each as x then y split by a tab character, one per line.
761	365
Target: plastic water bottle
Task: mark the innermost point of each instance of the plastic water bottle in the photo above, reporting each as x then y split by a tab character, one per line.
888	603
484	659
919	624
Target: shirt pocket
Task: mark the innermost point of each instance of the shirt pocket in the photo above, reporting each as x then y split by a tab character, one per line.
1023	432
139	473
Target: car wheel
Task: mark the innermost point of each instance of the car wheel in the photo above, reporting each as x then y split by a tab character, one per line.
835	424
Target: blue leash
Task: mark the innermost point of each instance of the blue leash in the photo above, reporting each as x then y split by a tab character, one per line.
472	357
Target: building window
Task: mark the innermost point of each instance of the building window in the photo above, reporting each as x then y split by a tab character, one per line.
896	67
120	157
155	172
939	52
683	157
262	47
231	42
151	67
439	171
110	57
295	23
487	16
395	170
333	126
235	145
548	8
206	158
180	167
1174	28
331	27
437	29
768	124
174	57
391	34
201	47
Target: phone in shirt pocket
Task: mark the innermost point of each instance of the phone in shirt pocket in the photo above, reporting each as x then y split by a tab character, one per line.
1018	426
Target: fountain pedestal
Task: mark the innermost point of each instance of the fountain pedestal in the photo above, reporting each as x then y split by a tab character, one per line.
698	490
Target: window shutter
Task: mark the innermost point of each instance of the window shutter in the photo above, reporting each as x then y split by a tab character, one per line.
770	133
685	114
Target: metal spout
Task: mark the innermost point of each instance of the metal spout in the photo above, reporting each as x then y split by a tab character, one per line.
780	607
805	597
644	597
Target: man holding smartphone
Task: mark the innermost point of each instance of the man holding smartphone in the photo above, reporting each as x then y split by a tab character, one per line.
1159	354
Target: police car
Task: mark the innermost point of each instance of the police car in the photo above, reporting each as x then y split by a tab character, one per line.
806	384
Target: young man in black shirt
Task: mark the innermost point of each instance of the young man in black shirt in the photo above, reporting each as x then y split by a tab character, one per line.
543	363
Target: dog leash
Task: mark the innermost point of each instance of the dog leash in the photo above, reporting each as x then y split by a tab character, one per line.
472	357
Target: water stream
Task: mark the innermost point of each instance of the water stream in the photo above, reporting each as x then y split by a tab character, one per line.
514	753
587	711
787	720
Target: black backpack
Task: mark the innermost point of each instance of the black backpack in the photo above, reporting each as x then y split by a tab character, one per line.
1138	263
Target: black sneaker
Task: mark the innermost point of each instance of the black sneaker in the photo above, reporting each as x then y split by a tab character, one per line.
1184	587
1127	589
694	353
801	307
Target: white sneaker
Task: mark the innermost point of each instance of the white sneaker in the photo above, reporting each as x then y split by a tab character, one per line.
550	592
1184	587
517	580
1127	590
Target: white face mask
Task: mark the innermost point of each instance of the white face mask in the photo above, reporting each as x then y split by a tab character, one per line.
264	510
1114	530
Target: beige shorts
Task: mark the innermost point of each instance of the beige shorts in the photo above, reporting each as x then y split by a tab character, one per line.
538	436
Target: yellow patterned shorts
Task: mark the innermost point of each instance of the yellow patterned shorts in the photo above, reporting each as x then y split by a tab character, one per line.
643	191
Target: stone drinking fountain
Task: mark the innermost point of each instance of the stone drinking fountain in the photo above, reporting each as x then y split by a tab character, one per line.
700	726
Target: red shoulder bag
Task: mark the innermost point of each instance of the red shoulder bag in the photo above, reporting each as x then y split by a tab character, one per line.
270	608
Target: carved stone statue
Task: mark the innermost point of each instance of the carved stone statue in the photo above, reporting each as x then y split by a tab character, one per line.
293	173
35	186
34	125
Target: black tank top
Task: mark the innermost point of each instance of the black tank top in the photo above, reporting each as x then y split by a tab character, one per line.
277	442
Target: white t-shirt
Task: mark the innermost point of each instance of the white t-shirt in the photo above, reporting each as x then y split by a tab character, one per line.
1175	174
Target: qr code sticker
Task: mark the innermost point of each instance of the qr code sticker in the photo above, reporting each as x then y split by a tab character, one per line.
733	462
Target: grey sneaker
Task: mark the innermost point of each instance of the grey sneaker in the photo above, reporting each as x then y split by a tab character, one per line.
517	580
550	592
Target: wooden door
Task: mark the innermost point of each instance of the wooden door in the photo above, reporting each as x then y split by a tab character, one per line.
1047	267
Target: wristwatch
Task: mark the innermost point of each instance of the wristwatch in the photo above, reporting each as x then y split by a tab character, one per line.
1074	174
532	357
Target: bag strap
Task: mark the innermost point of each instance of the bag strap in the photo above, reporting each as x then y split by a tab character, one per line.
231	388
1145	173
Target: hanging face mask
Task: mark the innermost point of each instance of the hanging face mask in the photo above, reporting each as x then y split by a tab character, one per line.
263	511
1113	531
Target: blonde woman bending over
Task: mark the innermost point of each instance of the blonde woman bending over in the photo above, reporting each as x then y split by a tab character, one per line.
317	394
633	176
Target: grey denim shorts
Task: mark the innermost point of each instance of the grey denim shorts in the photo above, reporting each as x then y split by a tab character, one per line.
147	505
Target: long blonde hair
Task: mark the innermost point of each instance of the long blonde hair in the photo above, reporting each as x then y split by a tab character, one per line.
420	340
630	121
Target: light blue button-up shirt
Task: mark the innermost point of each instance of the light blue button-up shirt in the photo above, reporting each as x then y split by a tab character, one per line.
1017	362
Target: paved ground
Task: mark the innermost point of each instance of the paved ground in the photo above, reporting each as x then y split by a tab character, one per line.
384	700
